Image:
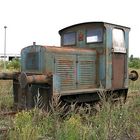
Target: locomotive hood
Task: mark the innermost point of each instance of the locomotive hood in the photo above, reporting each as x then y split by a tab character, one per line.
58	49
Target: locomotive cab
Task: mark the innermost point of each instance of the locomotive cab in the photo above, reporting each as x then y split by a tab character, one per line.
111	43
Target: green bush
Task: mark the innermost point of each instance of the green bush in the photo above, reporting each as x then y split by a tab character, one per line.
24	129
14	64
134	63
11	65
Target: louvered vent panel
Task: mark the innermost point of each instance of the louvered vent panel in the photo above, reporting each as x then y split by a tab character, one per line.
86	71
65	68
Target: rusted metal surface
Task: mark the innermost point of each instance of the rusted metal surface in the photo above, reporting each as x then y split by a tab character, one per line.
66	69
16	90
76	71
133	75
9	76
118	73
32	79
6	76
81	91
87	71
68	50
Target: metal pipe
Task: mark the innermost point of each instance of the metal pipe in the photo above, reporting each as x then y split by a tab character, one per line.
24	79
37	79
8	75
5	48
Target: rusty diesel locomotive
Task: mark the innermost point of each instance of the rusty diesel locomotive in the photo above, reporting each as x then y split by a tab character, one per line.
93	56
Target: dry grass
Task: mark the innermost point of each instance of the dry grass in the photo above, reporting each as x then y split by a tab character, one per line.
111	122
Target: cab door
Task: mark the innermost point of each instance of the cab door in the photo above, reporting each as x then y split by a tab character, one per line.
118	59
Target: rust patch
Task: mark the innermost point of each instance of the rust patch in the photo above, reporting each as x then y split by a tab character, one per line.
118	70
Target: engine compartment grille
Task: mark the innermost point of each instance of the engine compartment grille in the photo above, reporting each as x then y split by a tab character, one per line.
65	68
76	71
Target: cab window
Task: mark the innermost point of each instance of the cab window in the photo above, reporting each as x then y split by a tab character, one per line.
94	35
118	41
69	39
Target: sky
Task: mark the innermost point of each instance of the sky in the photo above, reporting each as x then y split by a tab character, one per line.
39	21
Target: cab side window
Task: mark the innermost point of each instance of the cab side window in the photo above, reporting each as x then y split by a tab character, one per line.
69	39
94	35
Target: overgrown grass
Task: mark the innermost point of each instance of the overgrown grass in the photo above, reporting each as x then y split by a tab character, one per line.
6	97
109	122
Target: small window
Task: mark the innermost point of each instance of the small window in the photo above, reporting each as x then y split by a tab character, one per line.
69	38
94	35
118	41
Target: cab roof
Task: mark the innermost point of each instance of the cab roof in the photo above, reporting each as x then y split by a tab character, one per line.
87	23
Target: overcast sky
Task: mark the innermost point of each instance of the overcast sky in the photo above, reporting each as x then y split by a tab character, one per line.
40	20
